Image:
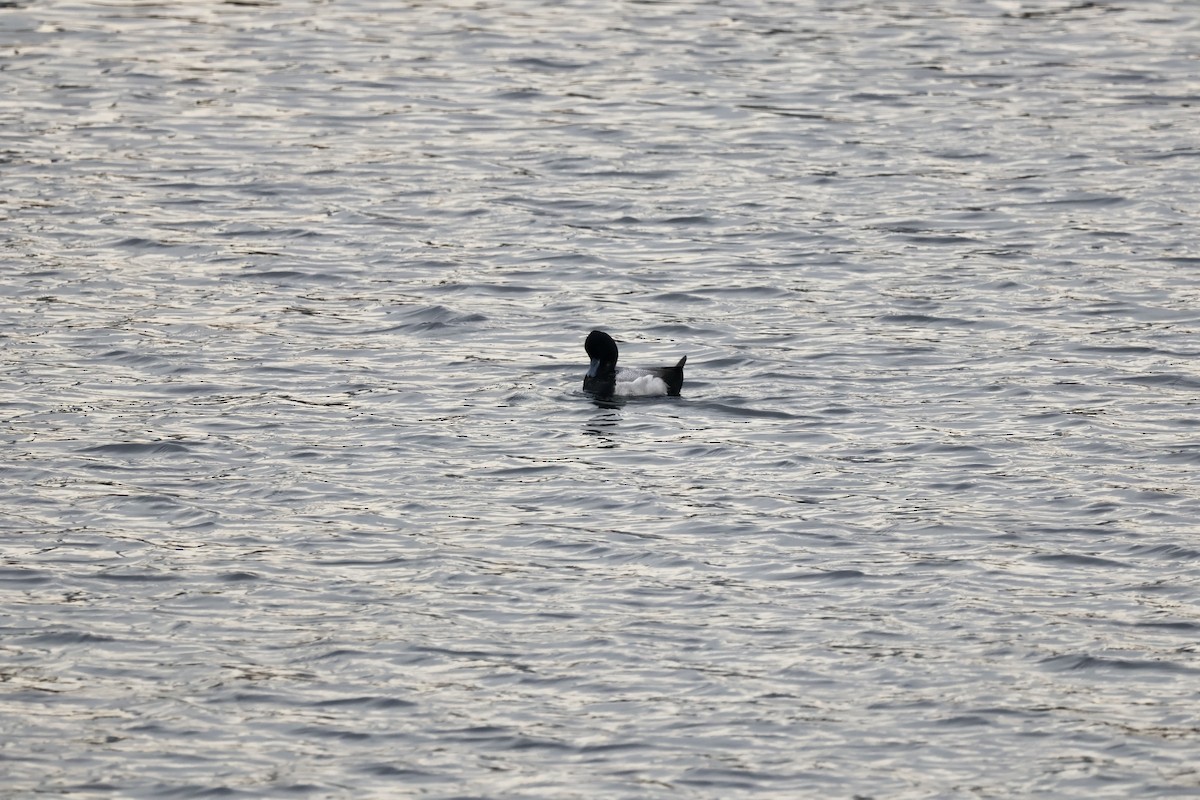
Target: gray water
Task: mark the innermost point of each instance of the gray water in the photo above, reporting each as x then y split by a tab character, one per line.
301	497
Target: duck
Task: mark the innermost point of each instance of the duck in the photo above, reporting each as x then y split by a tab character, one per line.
604	380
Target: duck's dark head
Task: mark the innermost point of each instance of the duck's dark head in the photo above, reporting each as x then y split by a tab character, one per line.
602	374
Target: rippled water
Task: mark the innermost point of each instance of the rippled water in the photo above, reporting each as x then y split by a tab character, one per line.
302	497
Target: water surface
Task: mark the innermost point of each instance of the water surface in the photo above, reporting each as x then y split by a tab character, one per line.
302	497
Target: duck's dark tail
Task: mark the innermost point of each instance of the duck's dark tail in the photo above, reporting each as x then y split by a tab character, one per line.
673	377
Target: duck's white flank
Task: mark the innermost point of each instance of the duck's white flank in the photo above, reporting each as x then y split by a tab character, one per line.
635	385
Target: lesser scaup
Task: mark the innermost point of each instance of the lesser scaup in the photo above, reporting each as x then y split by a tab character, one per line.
604	380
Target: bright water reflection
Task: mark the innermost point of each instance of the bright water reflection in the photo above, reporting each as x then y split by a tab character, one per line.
303	499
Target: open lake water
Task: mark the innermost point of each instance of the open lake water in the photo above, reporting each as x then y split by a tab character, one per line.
301	498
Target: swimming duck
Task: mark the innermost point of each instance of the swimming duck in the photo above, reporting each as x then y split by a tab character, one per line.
603	379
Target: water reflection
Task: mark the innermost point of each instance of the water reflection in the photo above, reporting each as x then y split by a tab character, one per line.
603	426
